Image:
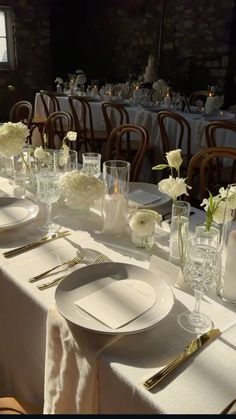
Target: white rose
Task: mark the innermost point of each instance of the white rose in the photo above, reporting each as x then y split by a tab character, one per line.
71	135
174	159
173	187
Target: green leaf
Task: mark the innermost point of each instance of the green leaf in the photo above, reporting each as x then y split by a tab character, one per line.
160	167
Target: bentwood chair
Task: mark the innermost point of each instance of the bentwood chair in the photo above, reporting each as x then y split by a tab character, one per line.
50	102
83	121
56	127
22	111
209	163
116	149
12	406
175	133
214	128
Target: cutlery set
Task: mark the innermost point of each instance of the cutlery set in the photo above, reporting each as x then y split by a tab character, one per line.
192	347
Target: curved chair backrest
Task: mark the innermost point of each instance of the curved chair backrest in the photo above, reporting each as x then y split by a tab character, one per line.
114	114
117	139
21	111
83	122
209	163
213	127
198	95
183	134
50	102
56	127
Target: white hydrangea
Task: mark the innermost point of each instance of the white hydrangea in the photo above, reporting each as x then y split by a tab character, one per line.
12	138
42	155
80	190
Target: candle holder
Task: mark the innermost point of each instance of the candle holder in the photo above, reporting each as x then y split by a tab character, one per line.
116	175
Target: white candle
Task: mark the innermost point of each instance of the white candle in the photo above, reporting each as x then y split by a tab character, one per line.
167	100
229	280
115	208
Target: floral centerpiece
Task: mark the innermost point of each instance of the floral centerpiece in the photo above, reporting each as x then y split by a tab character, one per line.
215	207
44	158
80	190
142	224
13	137
175	186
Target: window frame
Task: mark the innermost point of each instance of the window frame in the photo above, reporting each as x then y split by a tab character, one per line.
9	19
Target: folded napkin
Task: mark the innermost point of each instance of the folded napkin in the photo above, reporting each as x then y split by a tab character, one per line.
71	371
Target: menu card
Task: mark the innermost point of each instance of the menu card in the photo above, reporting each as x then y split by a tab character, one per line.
119	302
143	197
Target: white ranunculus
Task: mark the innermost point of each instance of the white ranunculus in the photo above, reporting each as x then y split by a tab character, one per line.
80	190
71	135
12	138
174	159
142	222
173	187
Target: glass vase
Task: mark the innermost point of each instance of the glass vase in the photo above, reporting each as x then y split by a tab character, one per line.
179	232
226	286
145	242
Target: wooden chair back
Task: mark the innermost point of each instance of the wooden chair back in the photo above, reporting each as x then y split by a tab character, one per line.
50	102
183	134
207	163
56	127
213	127
114	114
115	146
21	111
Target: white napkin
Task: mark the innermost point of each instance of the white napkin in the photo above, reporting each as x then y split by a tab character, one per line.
72	354
143	197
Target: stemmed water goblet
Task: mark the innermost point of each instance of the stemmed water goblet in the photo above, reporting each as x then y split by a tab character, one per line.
199	273
48	192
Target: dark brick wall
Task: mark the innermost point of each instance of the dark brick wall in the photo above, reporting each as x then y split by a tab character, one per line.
111	39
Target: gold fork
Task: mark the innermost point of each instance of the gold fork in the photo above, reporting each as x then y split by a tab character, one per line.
98	259
70	263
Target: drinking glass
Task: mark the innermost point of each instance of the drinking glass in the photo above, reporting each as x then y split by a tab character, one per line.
91	164
48	192
199	272
65	162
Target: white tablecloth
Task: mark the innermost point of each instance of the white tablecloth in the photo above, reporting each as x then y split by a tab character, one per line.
81	373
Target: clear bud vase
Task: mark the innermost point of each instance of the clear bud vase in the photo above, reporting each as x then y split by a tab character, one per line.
226	286
179	232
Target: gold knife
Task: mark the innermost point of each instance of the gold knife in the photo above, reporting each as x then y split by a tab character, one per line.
28	246
189	350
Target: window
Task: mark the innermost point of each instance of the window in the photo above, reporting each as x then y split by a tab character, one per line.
7	55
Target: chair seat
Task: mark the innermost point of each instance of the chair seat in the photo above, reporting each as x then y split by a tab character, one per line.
9	405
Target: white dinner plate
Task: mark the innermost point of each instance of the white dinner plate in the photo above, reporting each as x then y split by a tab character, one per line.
16	211
88	279
151	188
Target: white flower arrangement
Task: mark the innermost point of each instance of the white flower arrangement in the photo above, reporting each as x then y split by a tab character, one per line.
80	190
43	156
215	207
173	186
142	222
12	138
58	80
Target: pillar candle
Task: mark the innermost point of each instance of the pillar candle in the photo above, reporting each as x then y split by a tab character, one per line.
115	209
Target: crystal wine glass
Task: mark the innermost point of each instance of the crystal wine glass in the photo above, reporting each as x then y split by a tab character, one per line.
48	192
199	272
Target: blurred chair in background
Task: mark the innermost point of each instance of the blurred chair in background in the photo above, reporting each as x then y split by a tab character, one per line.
56	127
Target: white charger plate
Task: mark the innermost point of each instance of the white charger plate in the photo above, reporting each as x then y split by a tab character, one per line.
16	211
151	188
83	281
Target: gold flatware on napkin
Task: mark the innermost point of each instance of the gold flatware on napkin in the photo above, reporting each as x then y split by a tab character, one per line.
37	243
189	350
98	259
70	262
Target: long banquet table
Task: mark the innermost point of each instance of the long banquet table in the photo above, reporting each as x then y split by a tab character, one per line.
147	117
63	368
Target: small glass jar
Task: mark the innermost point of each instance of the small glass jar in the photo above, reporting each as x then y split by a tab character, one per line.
143	241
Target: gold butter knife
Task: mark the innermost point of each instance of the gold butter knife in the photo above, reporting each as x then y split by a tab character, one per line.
29	246
189	350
